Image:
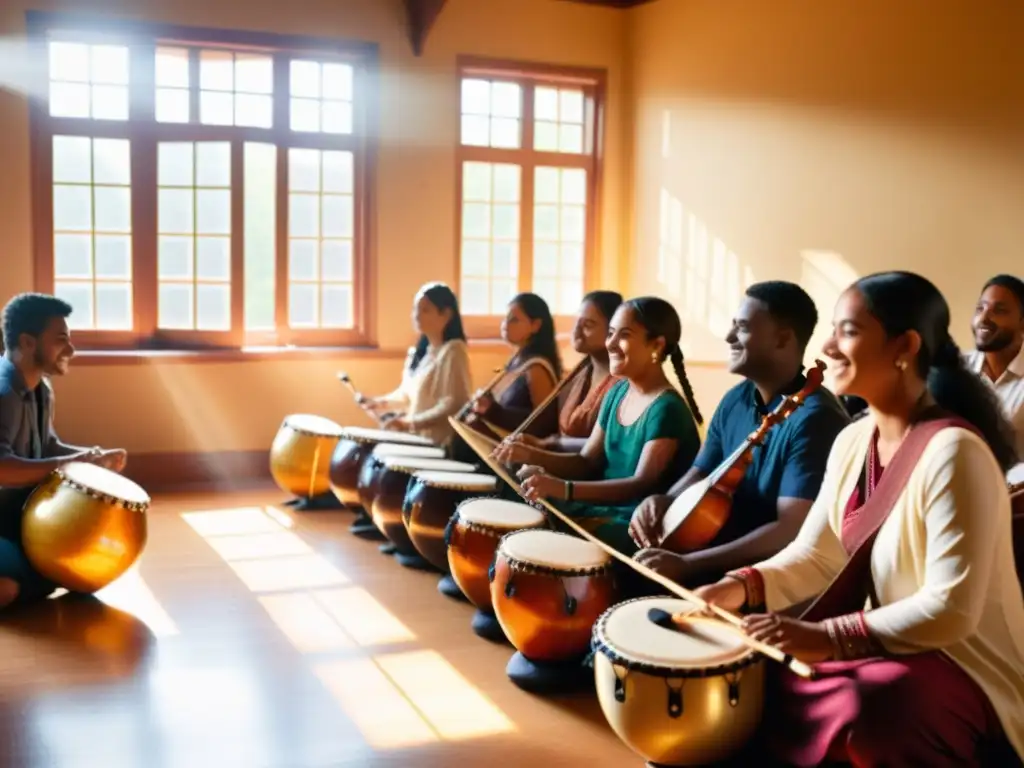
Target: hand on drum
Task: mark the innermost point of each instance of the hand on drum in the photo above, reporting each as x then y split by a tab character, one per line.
669	564
397	424
727	594
115	459
645	527
808	641
514	451
538	484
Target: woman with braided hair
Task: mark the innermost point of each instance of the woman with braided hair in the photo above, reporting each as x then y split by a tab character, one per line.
917	626
646	434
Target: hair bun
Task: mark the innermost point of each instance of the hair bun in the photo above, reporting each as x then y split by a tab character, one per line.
947	355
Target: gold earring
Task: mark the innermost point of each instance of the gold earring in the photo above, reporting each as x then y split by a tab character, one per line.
654	357
901	364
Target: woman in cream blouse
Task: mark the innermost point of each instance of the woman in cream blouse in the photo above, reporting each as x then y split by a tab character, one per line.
436	381
925	664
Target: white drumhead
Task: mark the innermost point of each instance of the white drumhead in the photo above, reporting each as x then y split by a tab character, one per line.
469	481
554	550
415	462
628	632
398	449
501	514
105	481
384	436
1015	475
317	425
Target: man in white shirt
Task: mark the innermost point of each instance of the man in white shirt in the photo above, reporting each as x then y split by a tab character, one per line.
998	326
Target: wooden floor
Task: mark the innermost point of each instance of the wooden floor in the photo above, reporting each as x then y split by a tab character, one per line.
254	636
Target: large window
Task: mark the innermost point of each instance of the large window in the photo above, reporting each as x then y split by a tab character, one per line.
198	188
528	167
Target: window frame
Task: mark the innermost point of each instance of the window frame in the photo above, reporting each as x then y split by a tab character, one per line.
145	133
528	75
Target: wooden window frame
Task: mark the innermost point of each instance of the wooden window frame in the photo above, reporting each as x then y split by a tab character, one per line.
529	75
144	132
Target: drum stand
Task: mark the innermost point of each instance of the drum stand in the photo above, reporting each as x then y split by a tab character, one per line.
323	501
550	677
447	587
364	528
486	625
414	560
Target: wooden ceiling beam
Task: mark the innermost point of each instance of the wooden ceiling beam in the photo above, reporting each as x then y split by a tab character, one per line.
421	15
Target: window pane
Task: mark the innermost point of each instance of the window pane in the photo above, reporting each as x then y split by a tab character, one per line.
337	117
547	290
213	307
475	131
72	256
175	258
216	71
545	260
505	261
506	99
111	161
110	102
305	115
476	97
213	258
570	296
476	258
336	260
174	211
506	221
79	296
216	108
337	82
572	260
337	216
213	211
254	74
475	297
213	164
546	185
69	100
174	164
476	181
545	104
260	214
254	111
504	133
506	183
303	305
72	208
303	215
304	170
337	306
305	78
113	257
172	67
476	220
574	186
72	159
172	105
338	172
69	61
570	108
545	136
302	260
573	223
502	292
175	306
545	222
114	306
113	209
571	138
109	64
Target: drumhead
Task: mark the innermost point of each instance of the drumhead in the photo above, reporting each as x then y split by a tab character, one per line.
105	481
500	514
314	425
413	463
383	450
552	549
366	435
468	481
626	631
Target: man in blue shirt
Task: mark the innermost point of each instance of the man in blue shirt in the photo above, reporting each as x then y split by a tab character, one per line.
767	342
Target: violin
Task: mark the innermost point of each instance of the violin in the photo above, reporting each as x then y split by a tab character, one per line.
699	513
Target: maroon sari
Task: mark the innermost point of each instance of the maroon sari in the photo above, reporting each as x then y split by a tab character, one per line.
883	710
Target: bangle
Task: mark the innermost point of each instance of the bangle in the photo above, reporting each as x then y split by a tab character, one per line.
568	490
753	585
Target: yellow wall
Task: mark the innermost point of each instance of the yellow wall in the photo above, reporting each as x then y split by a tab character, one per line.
176	406
820	141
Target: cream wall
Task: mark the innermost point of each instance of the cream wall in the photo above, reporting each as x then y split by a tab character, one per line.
816	142
163	406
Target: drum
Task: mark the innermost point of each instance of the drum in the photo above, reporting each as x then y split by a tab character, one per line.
84	526
430	502
548	590
373	466
676	698
354	445
387	504
300	456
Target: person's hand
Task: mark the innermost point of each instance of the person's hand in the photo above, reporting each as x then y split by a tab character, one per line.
482	404
514	451
808	641
537	442
398	423
645	527
727	594
538	484
115	459
370	404
669	564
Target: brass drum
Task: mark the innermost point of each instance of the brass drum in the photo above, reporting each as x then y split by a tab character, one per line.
354	446
84	526
300	457
676	698
373	466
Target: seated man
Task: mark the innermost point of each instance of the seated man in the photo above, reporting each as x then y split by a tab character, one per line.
767	341
37	345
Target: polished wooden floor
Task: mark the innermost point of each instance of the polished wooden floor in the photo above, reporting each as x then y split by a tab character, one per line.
254	636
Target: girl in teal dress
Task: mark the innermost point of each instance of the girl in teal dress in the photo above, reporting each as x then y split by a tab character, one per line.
646	435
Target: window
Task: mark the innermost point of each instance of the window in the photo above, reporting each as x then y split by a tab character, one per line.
201	188
528	167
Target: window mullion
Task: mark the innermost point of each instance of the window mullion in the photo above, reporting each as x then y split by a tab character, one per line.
526	194
142	134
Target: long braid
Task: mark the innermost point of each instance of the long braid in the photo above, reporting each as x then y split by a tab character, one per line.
676	356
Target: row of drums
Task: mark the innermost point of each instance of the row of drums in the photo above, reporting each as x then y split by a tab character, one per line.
675	698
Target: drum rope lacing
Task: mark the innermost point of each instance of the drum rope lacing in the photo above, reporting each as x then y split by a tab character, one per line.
131	506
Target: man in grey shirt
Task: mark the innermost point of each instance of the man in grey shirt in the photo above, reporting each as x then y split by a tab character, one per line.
37	344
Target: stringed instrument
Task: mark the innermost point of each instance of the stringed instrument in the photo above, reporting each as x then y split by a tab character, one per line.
583	365
699	513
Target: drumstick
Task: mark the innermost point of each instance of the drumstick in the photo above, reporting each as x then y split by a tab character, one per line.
344	379
733	621
681	620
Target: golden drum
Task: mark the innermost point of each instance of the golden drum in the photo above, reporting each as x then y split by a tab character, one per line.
84	526
675	697
300	456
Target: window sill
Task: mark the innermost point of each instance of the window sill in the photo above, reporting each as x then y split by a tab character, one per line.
100	357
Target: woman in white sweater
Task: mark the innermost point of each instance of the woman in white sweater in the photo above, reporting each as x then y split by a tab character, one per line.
917	629
436	381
